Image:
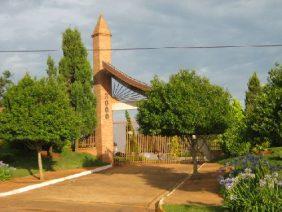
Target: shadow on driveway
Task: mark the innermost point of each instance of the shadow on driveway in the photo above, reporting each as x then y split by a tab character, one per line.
122	188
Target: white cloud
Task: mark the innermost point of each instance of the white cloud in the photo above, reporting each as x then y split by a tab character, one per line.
35	24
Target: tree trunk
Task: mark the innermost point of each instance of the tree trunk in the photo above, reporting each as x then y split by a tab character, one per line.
195	164
50	151
76	145
194	156
40	169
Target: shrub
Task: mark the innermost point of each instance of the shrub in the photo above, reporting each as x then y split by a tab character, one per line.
261	147
175	147
251	186
5	171
7	157
232	145
1	143
233	142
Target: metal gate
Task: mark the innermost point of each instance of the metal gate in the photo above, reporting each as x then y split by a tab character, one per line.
120	136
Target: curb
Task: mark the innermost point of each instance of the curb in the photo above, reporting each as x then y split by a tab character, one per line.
52	182
159	204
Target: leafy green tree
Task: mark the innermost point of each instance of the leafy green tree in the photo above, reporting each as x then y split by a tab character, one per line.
51	68
76	71
129	125
5	82
131	139
233	140
185	106
52	72
266	119
38	112
254	89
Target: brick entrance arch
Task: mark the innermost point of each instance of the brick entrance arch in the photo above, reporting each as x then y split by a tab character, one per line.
107	99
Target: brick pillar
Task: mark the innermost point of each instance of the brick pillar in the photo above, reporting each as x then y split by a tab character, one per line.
102	87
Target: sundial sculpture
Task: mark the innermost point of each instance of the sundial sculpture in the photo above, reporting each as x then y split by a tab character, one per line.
114	90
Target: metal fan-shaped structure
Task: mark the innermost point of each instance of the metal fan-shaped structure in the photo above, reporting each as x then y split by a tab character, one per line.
123	93
125	88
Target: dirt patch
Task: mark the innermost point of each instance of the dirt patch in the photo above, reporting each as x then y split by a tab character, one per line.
44	154
200	189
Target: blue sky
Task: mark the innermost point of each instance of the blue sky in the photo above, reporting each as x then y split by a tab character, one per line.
38	24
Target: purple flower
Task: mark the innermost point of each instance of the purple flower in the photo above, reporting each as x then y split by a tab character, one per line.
221	180
229	182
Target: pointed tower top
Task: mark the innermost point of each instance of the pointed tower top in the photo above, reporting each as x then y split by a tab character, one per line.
101	27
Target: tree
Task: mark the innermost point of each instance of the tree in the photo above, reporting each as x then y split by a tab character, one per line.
254	89
51	68
37	112
185	106
52	72
131	139
266	119
76	71
5	82
233	140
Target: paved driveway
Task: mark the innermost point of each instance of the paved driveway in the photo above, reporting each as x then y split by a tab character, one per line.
124	188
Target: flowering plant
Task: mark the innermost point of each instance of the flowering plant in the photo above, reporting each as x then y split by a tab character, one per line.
251	186
5	171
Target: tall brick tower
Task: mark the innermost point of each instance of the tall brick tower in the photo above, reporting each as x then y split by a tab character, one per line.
104	131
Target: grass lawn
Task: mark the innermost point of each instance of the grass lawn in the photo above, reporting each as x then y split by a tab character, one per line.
192	208
275	158
25	162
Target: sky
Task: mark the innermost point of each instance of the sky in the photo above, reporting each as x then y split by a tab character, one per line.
39	24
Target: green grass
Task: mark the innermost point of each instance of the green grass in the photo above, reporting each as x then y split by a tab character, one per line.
192	208
25	161
275	159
